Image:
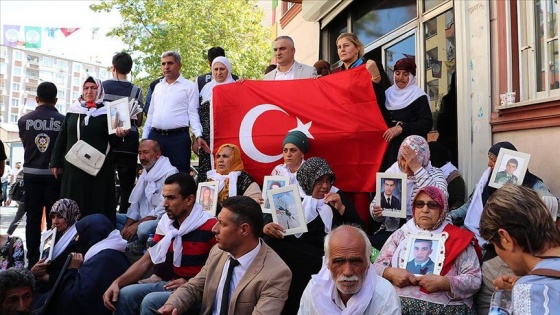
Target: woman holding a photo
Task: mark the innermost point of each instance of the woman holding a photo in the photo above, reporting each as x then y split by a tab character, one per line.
232	179
324	208
64	214
451	292
86	120
413	160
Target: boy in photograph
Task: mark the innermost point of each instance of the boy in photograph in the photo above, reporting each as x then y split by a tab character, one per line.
506	176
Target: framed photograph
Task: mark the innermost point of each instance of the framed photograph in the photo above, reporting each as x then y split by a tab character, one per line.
287	211
391	194
47	244
423	253
510	168
207	196
118	115
272	182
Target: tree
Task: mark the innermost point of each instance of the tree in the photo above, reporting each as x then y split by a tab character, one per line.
190	27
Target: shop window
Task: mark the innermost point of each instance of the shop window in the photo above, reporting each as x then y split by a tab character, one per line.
538	48
381	19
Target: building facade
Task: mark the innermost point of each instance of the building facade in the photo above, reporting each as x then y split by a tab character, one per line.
504	55
21	71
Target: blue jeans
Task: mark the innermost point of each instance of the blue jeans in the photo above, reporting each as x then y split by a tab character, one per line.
176	147
138	298
144	229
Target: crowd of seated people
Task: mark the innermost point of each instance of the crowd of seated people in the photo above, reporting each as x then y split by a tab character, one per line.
446	256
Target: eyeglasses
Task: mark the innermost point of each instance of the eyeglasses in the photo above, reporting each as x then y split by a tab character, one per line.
327	180
432	205
90	88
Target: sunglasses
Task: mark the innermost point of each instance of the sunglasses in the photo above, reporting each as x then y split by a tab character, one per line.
432	205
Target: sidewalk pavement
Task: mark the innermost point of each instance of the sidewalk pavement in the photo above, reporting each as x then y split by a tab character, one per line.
7	214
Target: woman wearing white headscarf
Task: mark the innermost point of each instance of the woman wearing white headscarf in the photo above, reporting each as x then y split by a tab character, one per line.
221	74
93	194
406	111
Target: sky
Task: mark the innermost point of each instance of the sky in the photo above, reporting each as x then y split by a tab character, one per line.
69	14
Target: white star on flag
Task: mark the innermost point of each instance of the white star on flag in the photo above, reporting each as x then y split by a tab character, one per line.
304	128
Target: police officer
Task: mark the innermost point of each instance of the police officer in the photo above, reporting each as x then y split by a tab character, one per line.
38	131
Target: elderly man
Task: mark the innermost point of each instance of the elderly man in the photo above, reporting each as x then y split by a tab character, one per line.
287	68
16	291
347	284
145	199
173	108
184	238
242	274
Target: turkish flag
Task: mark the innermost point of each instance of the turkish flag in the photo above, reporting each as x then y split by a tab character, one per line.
338	112
67	31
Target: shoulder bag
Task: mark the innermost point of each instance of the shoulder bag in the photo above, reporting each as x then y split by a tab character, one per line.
85	157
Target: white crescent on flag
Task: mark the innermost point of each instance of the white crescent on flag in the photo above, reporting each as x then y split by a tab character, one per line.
246	128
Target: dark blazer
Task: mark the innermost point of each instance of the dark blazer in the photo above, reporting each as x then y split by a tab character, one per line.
262	290
395	202
411	266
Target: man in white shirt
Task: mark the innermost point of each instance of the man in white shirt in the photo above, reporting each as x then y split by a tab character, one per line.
234	279
347	282
145	199
173	109
6	179
287	68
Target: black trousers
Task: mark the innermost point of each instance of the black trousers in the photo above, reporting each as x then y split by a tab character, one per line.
40	191
125	163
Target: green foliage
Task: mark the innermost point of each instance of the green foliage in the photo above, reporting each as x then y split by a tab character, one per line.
190	27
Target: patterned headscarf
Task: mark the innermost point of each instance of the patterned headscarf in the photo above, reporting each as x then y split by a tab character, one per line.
236	165
406	64
439	197
310	171
98	97
68	209
420	146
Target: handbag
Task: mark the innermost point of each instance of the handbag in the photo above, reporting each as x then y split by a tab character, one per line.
85	157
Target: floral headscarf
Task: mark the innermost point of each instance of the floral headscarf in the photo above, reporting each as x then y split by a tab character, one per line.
420	146
406	64
68	209
310	171
439	197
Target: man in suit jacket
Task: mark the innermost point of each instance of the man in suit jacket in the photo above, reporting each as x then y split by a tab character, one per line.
287	68
239	258
422	264
388	200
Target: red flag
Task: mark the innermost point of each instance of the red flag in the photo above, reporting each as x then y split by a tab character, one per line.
339	114
67	31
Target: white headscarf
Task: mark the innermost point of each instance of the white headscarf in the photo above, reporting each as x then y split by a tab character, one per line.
398	98
79	107
206	92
